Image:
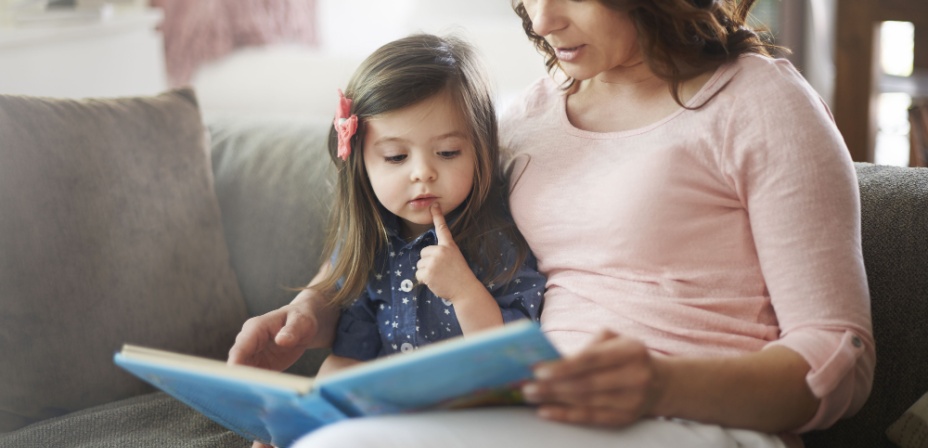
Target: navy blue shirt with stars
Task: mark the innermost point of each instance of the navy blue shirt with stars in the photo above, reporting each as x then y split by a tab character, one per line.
395	315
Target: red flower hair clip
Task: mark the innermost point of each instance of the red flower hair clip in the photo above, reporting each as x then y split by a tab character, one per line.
345	125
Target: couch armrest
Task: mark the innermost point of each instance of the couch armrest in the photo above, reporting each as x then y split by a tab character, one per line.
894	218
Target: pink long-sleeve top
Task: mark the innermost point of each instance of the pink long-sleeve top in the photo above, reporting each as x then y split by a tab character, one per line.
712	232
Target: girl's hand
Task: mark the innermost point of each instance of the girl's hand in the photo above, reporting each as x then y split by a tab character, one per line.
614	381
442	266
443	269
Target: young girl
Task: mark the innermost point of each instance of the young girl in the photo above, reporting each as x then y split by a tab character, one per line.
415	138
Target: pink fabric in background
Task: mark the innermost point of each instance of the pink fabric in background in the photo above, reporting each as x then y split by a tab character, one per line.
200	31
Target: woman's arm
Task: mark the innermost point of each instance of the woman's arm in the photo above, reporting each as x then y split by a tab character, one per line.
335	363
616	380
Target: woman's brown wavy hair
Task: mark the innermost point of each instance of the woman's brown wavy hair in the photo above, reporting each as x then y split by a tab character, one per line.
679	39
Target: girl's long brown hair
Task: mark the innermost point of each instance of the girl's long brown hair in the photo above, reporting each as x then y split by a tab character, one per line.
400	74
679	39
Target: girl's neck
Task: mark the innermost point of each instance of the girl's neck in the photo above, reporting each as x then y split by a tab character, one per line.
409	233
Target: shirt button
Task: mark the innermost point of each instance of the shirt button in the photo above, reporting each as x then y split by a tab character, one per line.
406	347
406	285
856	342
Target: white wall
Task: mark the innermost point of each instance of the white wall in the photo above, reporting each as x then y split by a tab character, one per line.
121	55
291	80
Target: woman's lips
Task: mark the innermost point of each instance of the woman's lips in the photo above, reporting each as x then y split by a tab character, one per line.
568	54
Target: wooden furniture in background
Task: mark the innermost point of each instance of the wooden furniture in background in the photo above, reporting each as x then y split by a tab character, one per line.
858	76
918	132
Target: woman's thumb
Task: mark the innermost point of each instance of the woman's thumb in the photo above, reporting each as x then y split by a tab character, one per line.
298	329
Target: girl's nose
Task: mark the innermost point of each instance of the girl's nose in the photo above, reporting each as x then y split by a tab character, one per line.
546	16
423	171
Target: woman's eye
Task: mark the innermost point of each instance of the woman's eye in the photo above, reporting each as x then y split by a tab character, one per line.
449	154
395	159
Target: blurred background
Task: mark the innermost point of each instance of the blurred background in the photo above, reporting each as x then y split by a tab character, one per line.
269	57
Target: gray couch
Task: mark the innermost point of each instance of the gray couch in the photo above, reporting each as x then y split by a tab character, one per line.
128	220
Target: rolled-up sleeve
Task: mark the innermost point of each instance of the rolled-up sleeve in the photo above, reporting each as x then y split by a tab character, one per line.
841	374
521	297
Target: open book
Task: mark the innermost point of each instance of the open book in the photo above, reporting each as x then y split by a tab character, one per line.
277	408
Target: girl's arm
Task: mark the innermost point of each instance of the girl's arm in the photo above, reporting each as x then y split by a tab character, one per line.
444	270
616	380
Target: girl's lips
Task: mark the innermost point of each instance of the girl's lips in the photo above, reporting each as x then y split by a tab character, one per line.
423	202
566	54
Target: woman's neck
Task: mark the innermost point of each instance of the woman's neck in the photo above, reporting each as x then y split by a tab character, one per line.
619	101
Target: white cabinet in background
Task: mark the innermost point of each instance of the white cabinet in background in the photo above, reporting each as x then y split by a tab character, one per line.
120	55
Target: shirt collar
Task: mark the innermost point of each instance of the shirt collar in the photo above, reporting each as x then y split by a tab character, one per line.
391	224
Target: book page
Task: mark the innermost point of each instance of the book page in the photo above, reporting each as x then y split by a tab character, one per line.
286	381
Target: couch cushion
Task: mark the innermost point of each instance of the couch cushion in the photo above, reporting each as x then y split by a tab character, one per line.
274	181
149	421
110	233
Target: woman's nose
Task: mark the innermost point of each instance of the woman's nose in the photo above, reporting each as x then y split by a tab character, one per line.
546	17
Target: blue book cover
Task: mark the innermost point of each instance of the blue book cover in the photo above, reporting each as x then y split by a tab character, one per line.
481	370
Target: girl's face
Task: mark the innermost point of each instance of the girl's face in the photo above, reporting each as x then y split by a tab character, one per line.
588	37
417	156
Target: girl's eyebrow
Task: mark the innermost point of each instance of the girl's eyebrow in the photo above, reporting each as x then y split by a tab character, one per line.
445	136
452	134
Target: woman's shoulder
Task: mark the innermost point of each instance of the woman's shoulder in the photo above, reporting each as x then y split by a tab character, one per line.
767	76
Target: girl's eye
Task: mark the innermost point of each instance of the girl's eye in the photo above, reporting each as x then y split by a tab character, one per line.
395	159
449	154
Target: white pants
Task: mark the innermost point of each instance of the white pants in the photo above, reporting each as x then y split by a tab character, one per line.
519	427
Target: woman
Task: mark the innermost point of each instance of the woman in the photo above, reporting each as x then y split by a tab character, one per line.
697	215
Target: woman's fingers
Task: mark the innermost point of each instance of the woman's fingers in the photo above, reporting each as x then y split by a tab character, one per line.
274	340
298	331
584	415
610	382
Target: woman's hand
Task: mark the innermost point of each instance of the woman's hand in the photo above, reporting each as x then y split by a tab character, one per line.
275	340
614	381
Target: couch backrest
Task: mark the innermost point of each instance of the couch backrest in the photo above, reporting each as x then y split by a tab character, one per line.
273	178
894	218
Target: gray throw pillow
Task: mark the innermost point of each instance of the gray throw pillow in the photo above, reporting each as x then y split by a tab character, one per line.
110	233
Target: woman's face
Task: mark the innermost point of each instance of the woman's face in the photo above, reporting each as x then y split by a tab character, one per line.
589	38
